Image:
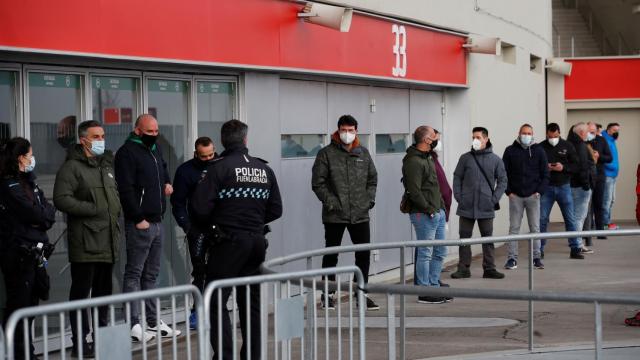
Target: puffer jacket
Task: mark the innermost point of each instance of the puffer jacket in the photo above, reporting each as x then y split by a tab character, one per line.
345	182
85	189
25	213
421	182
470	188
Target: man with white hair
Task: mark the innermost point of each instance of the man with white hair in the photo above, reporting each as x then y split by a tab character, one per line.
580	182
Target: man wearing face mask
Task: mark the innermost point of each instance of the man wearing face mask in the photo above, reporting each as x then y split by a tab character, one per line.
601	157
143	183
563	162
85	189
581	181
611	174
528	178
344	178
479	181
184	183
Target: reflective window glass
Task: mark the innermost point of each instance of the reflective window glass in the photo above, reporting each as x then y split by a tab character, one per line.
8	105
391	143
293	146
216	103
115	105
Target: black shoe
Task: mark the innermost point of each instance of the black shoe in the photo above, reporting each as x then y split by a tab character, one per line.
443	284
576	254
431	299
330	303
371	305
602	238
492	274
461	274
88	352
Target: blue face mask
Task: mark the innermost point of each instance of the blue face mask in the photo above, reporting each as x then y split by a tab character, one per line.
97	147
31	166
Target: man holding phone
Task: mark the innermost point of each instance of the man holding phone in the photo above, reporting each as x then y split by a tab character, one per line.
563	160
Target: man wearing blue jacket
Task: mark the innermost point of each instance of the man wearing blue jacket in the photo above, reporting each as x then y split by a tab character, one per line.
611	174
184	183
528	177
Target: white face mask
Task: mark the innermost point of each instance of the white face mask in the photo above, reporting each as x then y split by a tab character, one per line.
554	141
590	136
526	139
347	137
31	166
438	147
476	144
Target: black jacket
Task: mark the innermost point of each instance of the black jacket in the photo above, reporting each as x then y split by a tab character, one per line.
25	213
582	176
600	145
141	174
565	154
527	169
239	191
184	183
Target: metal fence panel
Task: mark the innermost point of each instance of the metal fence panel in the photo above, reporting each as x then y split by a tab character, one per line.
294	331
115	319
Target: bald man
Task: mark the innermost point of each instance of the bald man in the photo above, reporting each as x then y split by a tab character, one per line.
143	183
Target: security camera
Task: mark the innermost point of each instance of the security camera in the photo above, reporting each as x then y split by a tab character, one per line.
559	66
483	45
333	17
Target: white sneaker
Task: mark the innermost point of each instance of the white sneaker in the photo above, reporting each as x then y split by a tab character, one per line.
165	330
137	335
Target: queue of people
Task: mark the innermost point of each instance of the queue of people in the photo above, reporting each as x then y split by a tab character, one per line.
224	202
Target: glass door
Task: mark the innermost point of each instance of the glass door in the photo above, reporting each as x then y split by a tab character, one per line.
216	103
169	101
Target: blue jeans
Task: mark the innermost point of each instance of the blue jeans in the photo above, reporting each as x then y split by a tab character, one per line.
581	200
428	260
561	194
608	199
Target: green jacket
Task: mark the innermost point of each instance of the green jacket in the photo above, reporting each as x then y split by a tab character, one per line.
345	182
85	189
421	182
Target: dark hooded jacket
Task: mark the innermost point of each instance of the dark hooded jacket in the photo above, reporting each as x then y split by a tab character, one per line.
475	198
421	182
345	182
85	189
582	176
527	169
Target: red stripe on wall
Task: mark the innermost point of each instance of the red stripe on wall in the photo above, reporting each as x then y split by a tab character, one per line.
248	32
607	79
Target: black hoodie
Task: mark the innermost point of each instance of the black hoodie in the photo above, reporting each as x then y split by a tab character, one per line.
582	176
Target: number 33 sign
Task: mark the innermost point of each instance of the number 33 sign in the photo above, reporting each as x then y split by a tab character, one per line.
400	50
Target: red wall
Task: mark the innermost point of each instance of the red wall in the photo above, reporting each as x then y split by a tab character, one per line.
248	32
606	79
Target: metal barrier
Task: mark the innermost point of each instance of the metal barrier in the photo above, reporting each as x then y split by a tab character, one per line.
401	246
117	335
288	312
1	344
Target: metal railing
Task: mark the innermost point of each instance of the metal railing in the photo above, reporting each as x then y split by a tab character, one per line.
531	296
121	328
283	296
2	352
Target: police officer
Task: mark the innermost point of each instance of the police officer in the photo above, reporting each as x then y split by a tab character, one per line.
184	183
233	202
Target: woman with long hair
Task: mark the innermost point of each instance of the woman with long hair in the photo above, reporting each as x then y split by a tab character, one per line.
25	216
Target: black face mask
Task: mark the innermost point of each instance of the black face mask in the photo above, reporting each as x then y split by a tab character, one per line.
615	135
202	163
433	145
148	140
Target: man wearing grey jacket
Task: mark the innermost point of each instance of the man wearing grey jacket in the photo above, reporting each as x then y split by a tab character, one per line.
478	183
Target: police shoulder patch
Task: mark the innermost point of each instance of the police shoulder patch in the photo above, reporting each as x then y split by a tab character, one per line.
263	160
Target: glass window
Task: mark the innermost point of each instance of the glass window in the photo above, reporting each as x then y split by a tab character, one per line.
216	103
55	107
8	105
293	146
169	103
391	143
115	105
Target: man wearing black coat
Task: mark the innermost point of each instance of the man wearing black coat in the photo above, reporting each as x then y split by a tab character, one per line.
580	180
602	155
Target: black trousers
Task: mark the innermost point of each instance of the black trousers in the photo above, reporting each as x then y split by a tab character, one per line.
240	255
92	278
19	273
488	250
595	216
198	247
359	233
